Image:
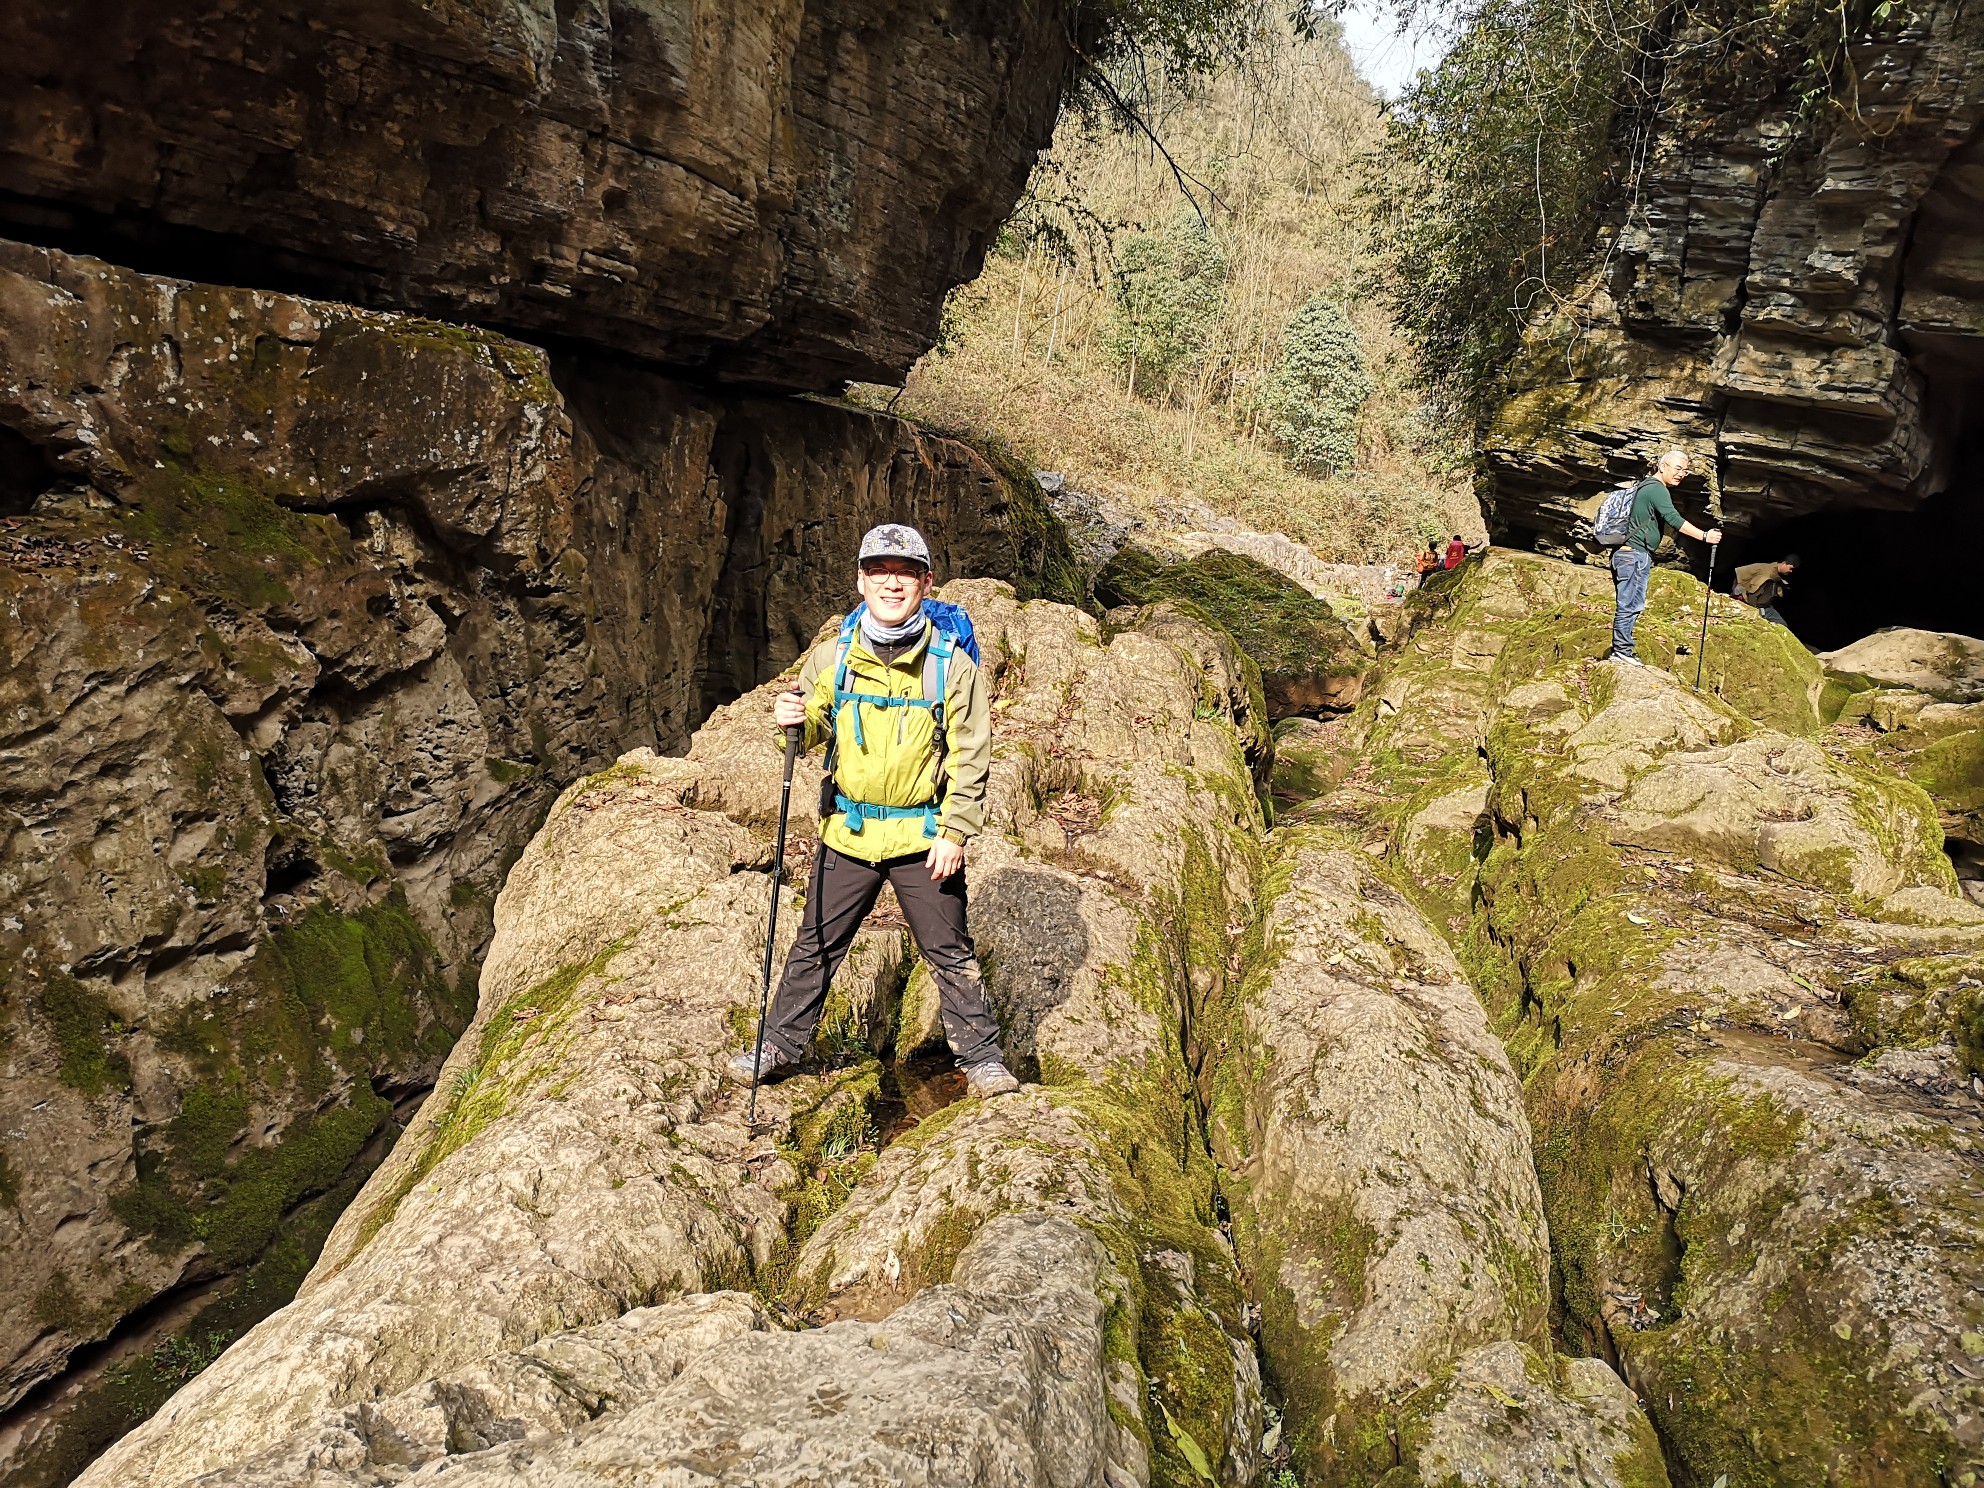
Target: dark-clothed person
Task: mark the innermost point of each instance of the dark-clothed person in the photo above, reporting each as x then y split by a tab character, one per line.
1761	585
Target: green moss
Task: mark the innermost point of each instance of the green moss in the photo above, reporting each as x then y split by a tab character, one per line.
508	772
79	1019
1043	563
1289	633
218	535
129	1392
615	775
361	869
1951	770
519	1046
197	1194
328	1000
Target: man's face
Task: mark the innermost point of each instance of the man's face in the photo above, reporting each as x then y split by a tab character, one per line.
1787	569
1673	470
893	587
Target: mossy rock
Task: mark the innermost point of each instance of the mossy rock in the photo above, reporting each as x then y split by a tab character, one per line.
1309	660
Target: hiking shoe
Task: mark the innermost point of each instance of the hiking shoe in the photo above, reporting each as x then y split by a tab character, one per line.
1628	660
773	1064
989	1078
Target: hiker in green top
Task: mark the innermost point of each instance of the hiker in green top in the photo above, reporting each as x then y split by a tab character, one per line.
1632	562
909	793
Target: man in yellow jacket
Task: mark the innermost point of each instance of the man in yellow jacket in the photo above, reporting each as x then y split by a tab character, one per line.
908	779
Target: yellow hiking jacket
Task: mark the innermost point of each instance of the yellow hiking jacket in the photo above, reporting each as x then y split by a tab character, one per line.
894	762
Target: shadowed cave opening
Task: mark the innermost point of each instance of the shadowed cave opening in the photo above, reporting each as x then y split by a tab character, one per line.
1864	570
26	473
1867	569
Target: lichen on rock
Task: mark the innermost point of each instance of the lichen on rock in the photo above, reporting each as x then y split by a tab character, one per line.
1751	1209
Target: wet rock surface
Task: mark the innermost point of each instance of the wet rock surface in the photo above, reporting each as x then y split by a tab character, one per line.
311	612
776	193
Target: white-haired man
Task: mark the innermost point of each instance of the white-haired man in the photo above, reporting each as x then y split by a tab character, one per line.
1632	561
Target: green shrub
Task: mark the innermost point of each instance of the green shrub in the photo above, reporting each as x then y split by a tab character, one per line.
1167	296
1313	397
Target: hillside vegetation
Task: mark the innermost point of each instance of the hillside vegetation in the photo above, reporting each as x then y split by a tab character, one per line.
1188	317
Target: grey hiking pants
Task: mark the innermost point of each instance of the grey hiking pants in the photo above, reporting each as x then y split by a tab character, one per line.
842	892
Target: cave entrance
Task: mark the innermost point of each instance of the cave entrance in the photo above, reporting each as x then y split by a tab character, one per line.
1864	570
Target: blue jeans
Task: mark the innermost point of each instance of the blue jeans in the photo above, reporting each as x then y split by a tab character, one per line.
1631	567
1769	612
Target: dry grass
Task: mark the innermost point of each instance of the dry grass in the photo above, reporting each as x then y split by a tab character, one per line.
1270	156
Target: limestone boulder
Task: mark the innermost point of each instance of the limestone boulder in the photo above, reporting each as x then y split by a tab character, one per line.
313	612
1504	1417
1948	668
1385	1197
1786	806
773	193
998	1376
581	1160
1310	660
1744	1078
1917	691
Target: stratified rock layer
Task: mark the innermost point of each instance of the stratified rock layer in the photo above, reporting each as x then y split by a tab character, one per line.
312	611
1805	314
1735	1006
778	192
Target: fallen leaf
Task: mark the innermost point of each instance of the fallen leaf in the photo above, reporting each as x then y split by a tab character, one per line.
1638	919
1193	1453
1502	1397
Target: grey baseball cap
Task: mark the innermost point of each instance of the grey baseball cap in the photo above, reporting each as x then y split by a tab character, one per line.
894	540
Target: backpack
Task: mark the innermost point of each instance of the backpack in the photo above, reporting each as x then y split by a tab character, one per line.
1614	522
950	633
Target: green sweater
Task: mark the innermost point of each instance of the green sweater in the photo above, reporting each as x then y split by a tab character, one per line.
1652	506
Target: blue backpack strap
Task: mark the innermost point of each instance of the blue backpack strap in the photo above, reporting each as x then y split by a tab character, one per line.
842	645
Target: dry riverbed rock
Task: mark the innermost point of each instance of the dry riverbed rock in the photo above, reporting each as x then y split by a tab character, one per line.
1744	1064
1040	1275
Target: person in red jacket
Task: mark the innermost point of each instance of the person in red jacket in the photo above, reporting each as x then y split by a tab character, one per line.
1456	551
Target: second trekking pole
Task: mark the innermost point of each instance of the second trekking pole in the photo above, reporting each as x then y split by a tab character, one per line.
1701	651
793	738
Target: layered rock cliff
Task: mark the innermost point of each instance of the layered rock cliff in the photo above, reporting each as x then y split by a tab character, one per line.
777	193
1801	306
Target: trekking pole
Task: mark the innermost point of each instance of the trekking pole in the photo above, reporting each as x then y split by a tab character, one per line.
1708	593
793	737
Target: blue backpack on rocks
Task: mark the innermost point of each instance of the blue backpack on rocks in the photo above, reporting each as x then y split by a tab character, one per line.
950	633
